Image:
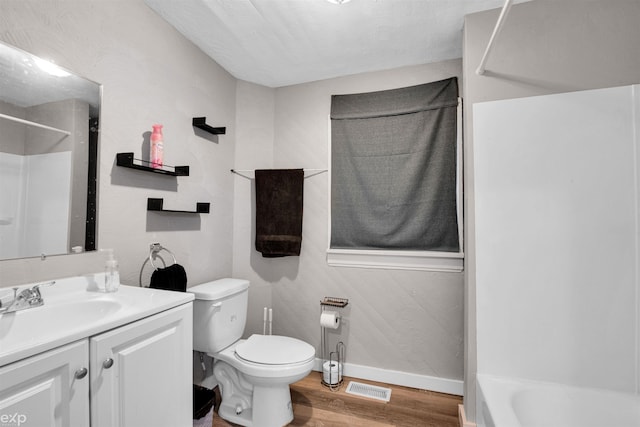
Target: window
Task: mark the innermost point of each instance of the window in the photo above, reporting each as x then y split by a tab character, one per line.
395	180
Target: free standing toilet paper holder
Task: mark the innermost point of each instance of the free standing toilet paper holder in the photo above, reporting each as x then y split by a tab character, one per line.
334	357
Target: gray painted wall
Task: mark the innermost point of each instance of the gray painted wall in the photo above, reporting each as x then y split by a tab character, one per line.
150	74
407	321
545	47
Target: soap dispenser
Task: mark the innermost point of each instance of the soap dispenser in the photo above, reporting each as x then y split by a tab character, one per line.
111	274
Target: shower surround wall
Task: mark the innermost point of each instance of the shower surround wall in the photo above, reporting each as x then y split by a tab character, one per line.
545	47
557	234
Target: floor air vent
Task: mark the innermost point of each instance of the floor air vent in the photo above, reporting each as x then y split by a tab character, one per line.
367	390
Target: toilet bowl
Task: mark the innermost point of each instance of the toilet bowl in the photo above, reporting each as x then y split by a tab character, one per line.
253	374
268	364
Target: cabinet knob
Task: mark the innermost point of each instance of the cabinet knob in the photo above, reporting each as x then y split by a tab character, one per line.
107	363
81	373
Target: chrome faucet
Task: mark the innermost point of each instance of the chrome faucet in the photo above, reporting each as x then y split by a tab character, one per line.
27	298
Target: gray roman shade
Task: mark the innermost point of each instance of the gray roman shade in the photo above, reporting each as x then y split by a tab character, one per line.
393	169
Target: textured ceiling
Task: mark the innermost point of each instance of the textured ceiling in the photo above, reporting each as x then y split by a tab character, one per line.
283	42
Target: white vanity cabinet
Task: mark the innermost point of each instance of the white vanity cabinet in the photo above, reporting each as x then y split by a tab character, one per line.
135	375
49	389
141	373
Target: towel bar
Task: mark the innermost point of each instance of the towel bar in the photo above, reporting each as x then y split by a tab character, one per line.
154	248
312	172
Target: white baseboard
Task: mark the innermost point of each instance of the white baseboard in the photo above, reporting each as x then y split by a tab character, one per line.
406	379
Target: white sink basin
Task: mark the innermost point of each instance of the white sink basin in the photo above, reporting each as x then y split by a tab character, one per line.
70	313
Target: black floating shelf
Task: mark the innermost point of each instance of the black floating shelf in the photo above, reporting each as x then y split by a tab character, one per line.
156	206
201	123
126	160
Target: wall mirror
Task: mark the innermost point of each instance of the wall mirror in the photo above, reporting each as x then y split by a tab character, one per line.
49	121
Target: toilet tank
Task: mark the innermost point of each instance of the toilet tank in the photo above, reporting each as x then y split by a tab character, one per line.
219	313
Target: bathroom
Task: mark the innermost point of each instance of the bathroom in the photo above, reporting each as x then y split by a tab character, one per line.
545	47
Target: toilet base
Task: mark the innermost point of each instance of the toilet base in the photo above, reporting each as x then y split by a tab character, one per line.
272	408
227	413
252	406
273	404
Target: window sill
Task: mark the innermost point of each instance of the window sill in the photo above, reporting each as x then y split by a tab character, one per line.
397	260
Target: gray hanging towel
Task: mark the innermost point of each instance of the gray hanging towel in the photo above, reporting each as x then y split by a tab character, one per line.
279	212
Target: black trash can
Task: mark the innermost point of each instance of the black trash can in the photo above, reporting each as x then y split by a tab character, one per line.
203	401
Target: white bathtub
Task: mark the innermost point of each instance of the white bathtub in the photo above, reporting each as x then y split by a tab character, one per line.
506	402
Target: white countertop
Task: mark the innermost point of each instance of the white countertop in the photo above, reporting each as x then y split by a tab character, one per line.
71	312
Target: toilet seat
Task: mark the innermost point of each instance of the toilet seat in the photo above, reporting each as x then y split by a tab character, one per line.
274	350
264	370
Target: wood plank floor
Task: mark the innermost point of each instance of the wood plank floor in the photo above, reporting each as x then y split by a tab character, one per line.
315	405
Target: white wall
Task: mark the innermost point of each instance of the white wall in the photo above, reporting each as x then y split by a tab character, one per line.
405	321
150	74
556	235
545	47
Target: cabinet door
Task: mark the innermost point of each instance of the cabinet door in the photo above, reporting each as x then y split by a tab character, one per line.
50	389
141	373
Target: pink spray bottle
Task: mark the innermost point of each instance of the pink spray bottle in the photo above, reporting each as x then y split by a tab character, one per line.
157	148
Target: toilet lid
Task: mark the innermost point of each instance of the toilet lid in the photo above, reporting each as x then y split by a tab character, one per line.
274	350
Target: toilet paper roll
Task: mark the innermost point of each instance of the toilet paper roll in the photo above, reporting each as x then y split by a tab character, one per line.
332	372
330	319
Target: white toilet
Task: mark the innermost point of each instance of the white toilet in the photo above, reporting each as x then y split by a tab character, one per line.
253	374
